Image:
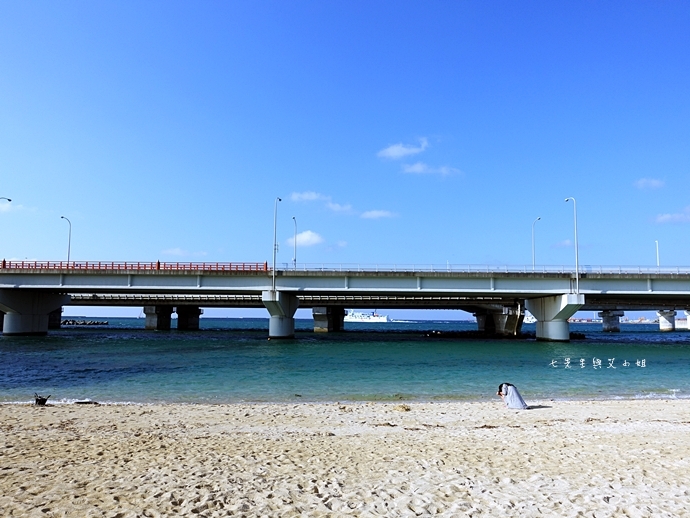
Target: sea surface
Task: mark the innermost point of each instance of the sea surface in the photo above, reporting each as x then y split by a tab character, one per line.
231	360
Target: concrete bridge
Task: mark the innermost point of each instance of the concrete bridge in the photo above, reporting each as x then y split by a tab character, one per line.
33	293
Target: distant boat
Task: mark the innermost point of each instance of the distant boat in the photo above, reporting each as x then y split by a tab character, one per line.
355	316
529	318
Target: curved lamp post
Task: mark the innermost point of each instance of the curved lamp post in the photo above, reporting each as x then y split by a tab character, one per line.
657	253
294	255
533	241
8	200
69	239
275	243
577	262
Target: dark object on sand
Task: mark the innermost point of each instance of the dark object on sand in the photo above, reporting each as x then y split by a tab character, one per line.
86	403
40	400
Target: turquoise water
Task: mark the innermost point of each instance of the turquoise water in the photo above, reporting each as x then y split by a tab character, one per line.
230	360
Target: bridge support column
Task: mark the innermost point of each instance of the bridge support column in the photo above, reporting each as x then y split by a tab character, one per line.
328	319
188	317
158	317
2	319
506	321
26	312
667	320
611	320
552	314
281	306
55	319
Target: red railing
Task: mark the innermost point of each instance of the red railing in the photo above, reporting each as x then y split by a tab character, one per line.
134	266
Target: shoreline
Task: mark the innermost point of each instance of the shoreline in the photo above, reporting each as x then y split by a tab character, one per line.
306	401
600	458
300	401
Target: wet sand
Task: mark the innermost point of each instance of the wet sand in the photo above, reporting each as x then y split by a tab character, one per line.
606	458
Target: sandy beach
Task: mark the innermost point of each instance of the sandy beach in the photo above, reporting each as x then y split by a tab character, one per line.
604	458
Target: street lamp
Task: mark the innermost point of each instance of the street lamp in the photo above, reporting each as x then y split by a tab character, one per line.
275	243
294	255
69	240
657	253
3	198
533	241
577	261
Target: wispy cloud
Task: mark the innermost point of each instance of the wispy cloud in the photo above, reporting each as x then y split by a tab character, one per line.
308	196
306	238
648	183
566	243
180	252
316	196
422	168
337	207
416	168
175	251
377	214
6	206
400	150
341	208
678	217
445	170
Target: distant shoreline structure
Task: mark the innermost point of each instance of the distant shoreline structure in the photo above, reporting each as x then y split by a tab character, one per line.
78	322
373	317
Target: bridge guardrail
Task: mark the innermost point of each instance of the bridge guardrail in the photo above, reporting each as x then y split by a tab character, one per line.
473	268
331	267
133	266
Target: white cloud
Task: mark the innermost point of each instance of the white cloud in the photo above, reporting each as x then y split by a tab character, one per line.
648	183
445	170
306	238
315	196
337	207
678	217
417	168
376	214
179	252
175	251
6	206
342	244
308	196
422	168
400	150
563	244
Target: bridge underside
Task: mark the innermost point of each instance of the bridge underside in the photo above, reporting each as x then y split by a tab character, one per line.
496	299
305	301
593	302
498	314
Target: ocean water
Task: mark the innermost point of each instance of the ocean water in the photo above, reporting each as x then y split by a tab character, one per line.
231	360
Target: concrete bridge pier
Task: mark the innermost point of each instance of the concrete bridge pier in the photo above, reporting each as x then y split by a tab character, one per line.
55	319
158	317
667	320
504	321
552	314
27	312
328	319
281	306
611	320
188	317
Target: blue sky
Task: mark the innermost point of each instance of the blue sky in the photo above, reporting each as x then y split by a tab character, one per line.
394	132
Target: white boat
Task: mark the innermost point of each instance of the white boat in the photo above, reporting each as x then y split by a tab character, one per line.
356	316
529	318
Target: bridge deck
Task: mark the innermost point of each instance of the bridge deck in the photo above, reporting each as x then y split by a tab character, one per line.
241	284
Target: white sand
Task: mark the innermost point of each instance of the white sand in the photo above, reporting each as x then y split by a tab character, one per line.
612	458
